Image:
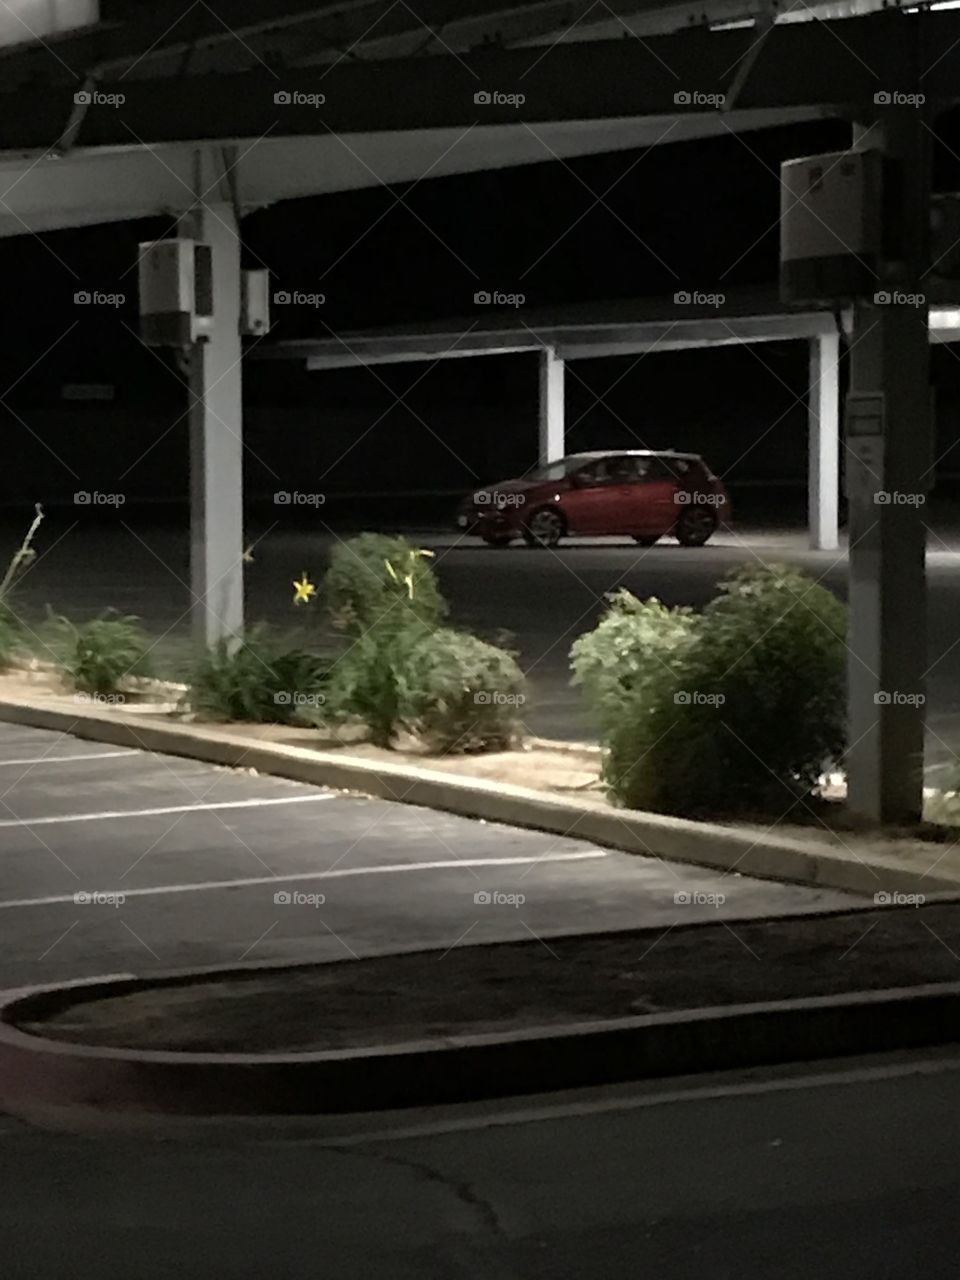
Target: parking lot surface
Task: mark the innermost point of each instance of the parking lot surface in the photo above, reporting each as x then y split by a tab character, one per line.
123	861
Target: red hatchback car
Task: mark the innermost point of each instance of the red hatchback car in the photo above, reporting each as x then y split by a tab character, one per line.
633	492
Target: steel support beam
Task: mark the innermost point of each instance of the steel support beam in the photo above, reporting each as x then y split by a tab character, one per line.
552	406
888	457
823	412
216	441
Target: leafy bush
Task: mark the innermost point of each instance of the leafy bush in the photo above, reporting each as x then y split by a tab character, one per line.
365	679
100	653
634	648
459	694
754	709
376	579
453	691
11	634
261	680
401	668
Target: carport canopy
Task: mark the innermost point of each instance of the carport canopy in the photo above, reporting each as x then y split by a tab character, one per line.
503	325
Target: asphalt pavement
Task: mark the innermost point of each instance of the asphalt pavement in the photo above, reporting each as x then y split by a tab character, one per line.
840	1173
122	861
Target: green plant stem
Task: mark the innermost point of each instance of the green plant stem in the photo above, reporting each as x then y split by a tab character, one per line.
24	552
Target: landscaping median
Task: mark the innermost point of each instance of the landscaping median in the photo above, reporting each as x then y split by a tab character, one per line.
508	1019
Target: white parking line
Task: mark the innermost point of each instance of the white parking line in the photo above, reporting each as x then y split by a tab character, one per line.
152	813
91	755
338	873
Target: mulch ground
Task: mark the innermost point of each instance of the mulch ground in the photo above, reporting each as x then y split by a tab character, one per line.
524	985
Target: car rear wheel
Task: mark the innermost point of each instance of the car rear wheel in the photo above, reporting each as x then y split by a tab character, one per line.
646	540
695	526
545	528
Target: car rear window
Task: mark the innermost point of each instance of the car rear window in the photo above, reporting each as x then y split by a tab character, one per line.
669	468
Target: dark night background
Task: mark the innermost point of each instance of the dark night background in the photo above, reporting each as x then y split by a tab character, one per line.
707	209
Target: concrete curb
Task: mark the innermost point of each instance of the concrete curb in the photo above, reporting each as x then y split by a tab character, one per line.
52	1080
705	844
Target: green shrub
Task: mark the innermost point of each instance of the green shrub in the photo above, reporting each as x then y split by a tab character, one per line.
634	648
755	707
100	653
365	679
261	679
376	579
459	694
11	635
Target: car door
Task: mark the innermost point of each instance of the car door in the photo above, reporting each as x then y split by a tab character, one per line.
654	505
625	500
586	503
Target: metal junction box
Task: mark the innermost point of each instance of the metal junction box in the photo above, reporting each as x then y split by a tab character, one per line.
830	226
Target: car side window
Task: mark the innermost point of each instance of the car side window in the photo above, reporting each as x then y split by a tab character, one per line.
669	468
587	476
597	473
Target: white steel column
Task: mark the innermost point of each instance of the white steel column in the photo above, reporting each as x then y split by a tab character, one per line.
552	410
823	411
216	441
890	450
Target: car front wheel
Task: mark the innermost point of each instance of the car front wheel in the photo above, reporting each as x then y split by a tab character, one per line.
545	528
695	526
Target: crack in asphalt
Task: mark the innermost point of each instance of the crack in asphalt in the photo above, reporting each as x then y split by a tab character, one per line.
463	1192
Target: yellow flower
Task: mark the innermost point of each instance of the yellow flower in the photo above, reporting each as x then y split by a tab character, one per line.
303	590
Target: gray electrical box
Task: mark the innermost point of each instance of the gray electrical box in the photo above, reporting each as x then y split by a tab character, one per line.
830	226
176	292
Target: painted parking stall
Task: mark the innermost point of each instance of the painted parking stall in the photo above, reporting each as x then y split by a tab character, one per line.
131	861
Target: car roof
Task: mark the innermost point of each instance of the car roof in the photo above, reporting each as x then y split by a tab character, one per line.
589	455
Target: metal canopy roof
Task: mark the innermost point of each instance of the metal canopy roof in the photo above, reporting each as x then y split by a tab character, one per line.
65	162
147	38
580	331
